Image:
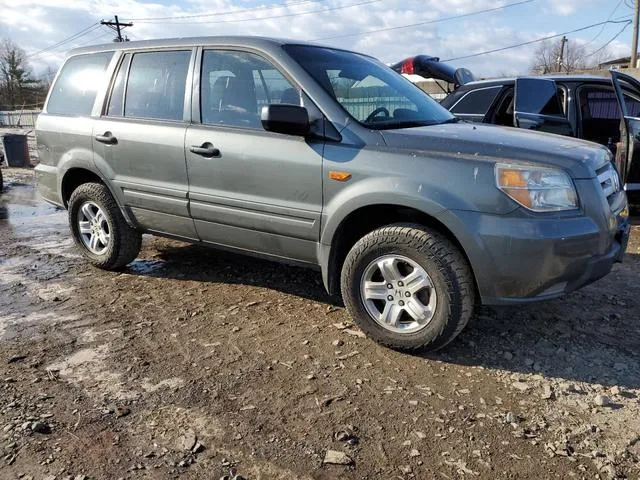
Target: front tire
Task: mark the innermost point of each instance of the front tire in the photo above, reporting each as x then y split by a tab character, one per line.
99	229
408	287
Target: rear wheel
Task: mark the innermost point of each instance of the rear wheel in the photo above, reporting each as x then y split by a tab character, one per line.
99	229
408	287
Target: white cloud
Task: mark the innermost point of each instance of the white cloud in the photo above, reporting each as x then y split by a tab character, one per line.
37	24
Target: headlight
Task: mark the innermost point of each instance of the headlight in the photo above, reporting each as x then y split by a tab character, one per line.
541	189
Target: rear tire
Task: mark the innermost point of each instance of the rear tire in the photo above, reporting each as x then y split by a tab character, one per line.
99	229
408	287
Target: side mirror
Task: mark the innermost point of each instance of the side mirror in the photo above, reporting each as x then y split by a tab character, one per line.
287	119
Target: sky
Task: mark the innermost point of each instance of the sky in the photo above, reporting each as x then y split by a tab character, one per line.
42	24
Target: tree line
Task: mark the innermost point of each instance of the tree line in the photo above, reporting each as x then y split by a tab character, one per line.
19	88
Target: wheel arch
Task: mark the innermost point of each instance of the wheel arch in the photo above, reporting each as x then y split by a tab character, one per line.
365	219
74	176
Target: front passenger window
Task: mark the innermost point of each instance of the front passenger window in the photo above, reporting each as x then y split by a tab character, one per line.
236	85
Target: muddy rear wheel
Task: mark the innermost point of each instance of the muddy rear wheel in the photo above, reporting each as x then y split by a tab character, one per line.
99	229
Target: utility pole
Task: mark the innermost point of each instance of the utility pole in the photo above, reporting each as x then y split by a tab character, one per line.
560	59
634	40
117	27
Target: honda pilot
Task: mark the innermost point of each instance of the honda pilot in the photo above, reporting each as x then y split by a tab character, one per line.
329	159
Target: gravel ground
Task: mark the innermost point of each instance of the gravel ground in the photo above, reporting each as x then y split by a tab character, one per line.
193	363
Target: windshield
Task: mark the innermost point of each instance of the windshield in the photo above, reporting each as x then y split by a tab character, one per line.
369	91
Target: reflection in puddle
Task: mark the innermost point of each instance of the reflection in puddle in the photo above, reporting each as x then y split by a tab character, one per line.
23	210
146	267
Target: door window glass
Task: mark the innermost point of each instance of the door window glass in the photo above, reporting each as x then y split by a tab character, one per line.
537	96
236	85
76	87
156	85
476	102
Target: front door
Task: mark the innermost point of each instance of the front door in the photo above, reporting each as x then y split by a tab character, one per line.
628	159
248	188
139	139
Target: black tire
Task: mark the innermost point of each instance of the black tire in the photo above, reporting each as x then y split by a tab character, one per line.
125	241
1	183
444	263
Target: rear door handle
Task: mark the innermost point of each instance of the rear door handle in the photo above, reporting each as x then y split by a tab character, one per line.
107	137
206	150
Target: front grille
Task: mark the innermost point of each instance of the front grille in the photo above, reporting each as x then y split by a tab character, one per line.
609	181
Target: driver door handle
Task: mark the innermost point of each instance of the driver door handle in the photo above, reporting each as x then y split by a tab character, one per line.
206	150
107	137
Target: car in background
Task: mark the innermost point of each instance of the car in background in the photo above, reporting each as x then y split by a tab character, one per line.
583	106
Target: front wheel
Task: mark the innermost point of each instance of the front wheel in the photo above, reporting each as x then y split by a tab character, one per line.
408	287
99	229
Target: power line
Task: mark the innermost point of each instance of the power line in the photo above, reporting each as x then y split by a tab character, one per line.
297	14
549	37
608	18
624	27
228	12
444	19
75	36
103	33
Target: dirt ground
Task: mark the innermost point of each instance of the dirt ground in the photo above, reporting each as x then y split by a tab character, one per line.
197	364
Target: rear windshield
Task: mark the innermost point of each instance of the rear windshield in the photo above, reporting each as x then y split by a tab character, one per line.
368	90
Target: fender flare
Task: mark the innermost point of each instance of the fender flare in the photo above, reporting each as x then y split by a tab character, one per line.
78	160
371	193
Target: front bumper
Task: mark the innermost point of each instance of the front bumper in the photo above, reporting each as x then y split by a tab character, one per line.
522	258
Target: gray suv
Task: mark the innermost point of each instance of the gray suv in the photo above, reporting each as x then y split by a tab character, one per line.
325	158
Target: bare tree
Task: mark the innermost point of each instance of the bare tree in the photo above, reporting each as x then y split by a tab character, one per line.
17	86
547	58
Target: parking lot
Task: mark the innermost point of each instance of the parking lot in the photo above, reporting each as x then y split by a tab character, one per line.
193	363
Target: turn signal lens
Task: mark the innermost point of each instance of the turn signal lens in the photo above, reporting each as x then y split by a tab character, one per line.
541	189
339	176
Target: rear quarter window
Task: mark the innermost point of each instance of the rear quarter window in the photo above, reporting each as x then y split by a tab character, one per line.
76	87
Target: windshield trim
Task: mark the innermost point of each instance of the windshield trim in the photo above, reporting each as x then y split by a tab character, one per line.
376	125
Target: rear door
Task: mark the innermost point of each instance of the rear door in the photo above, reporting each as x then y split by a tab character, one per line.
538	106
628	158
139	138
251	189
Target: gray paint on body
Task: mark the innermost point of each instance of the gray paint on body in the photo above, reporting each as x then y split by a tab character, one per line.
269	194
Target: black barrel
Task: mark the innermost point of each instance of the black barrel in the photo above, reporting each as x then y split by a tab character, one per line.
16	149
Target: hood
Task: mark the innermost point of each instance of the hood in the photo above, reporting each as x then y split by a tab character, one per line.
432	67
489	142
